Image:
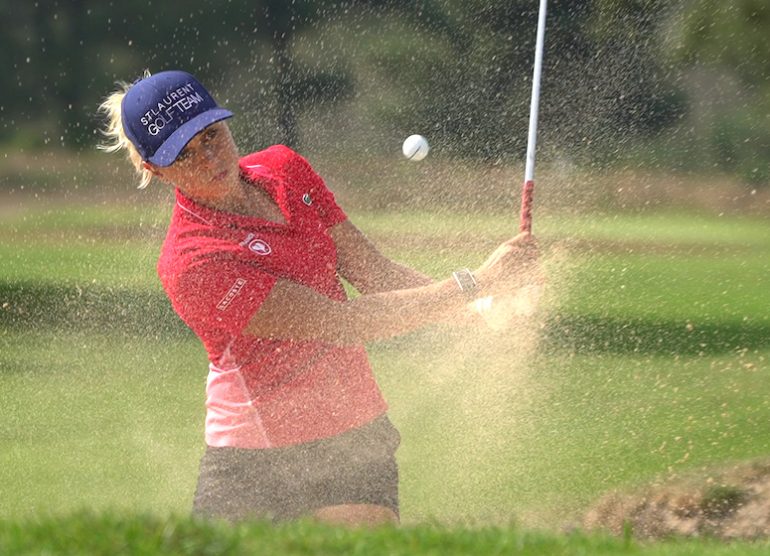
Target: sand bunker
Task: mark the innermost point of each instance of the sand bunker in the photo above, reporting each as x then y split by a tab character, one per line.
732	503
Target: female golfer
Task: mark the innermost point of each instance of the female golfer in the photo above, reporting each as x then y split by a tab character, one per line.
295	423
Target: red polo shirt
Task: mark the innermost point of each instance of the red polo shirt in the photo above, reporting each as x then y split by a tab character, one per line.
217	268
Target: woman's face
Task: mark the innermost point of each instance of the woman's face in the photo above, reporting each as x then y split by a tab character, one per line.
209	159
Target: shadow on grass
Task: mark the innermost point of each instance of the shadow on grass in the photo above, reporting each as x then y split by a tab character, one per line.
124	311
143	313
589	334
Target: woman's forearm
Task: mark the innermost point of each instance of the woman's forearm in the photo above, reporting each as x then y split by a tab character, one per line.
295	312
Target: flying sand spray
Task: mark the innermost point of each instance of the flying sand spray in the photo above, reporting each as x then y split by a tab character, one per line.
499	311
470	404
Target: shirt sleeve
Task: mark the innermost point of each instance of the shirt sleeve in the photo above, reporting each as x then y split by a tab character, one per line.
329	211
222	295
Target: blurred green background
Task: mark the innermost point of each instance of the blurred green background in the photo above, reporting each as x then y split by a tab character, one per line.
682	84
648	359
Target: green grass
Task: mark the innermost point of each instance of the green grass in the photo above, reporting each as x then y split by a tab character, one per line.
98	414
80	263
88	417
540	438
652	362
114	246
665	287
665	228
109	534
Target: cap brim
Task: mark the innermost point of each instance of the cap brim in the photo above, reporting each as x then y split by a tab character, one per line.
177	141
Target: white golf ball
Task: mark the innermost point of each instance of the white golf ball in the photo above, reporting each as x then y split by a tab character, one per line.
415	147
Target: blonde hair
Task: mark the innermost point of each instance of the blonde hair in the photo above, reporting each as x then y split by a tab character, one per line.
116	138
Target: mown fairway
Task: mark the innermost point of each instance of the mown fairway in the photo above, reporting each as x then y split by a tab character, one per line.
651	360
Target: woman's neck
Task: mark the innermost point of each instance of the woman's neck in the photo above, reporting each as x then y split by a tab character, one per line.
238	197
227	196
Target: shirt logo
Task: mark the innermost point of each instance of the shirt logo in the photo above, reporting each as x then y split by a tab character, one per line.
260	247
256	245
307	199
234	290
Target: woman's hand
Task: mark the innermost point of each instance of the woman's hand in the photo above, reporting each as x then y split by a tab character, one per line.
511	266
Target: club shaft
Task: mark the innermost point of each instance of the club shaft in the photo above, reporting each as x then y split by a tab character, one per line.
529	172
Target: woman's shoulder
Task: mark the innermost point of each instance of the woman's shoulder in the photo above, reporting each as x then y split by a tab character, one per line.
274	157
282	162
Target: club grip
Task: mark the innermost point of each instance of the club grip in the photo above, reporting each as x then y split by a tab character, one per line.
525	219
